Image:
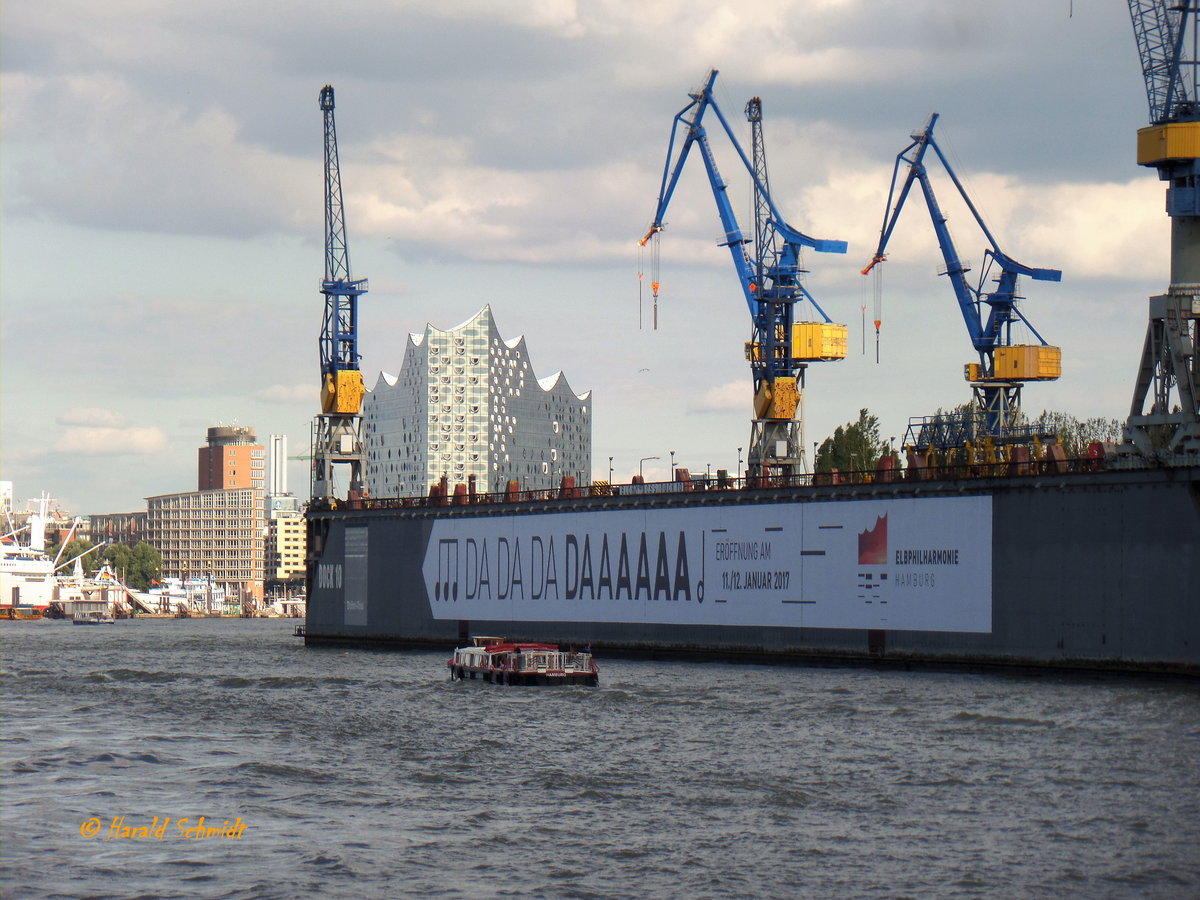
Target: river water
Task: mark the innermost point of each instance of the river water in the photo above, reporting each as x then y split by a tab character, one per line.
350	773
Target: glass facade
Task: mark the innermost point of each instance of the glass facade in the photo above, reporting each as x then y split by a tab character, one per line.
467	402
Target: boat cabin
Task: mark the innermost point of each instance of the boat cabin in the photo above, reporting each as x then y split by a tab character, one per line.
498	661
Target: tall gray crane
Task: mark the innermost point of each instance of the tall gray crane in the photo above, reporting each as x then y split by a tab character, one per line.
1169	371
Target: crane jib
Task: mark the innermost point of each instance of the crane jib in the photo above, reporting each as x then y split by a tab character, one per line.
768	266
1004	363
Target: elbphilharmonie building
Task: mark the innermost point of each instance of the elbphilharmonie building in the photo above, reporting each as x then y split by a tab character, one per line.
467	402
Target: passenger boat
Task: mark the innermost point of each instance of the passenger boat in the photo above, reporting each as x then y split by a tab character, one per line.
498	661
93	617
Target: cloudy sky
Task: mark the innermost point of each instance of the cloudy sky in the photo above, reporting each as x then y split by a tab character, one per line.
162	209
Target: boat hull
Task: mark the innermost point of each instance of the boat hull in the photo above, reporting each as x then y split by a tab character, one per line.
529	679
1094	571
21	614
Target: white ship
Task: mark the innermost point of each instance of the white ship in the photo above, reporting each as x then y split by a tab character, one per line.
101	595
191	597
31	586
26	573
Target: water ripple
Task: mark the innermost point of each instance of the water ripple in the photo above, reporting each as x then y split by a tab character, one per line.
364	774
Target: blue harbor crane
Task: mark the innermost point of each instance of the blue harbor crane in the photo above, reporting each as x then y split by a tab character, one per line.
1004	366
783	342
337	431
1169	371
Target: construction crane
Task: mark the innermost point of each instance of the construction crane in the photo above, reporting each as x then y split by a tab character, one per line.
782	343
337	431
1169	371
1003	366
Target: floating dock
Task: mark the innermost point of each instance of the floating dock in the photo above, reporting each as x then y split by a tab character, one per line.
1058	569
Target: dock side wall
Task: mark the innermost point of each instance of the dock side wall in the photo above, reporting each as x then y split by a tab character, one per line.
1096	571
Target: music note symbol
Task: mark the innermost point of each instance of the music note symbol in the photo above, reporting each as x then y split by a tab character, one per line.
446	587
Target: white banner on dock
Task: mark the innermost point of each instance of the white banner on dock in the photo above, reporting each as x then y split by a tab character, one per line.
905	564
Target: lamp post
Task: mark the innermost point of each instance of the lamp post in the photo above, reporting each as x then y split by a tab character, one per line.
640	463
610	470
672	463
739	468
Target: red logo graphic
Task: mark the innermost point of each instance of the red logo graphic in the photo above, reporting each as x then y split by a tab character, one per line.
872	544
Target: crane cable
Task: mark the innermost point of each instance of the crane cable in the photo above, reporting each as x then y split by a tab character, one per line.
877	286
654	282
641	277
654	275
862	308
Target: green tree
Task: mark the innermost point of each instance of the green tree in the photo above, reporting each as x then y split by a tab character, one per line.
1075	435
74	548
145	566
119	558
138	566
855	446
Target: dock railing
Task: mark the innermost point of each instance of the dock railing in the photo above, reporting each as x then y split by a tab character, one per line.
918	470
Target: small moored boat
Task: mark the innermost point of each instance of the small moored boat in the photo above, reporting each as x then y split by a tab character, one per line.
499	661
93	618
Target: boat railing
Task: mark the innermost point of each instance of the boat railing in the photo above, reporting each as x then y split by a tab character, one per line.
551	661
580	661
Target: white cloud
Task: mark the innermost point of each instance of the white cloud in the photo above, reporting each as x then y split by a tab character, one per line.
1085	229
92	417
733	395
560	17
98	441
174	166
285	394
1090	229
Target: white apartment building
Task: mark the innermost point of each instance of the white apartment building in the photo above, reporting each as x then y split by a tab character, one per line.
467	402
216	534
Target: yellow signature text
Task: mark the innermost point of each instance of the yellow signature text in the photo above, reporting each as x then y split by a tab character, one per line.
121	828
